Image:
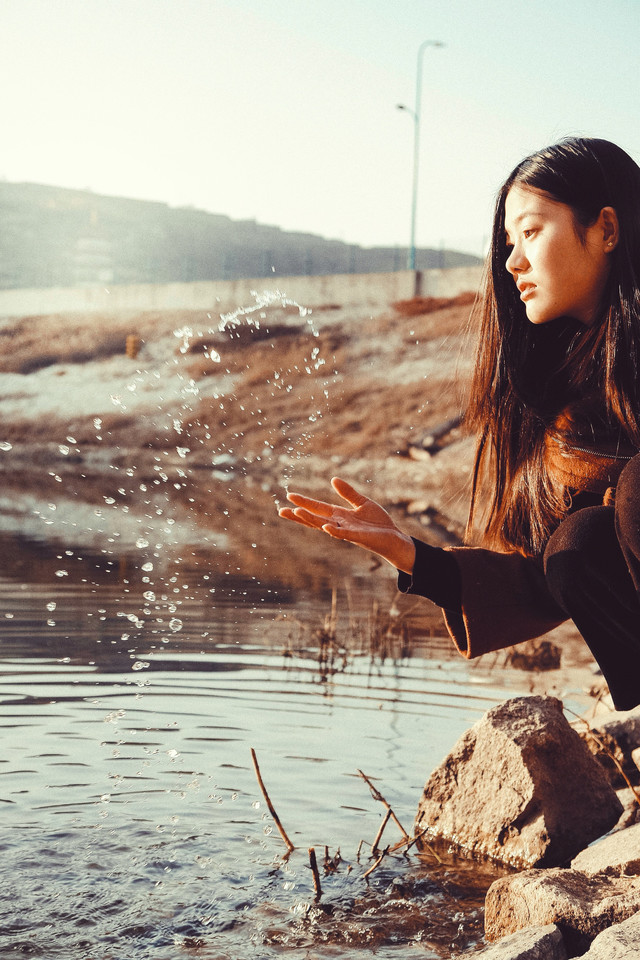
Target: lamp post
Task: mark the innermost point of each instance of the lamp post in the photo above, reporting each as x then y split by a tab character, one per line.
415	113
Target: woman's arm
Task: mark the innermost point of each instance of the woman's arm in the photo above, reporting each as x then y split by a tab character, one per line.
490	600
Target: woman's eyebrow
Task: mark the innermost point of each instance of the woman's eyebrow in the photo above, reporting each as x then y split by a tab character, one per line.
527	213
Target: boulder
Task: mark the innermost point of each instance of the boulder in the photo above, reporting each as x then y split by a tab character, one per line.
520	787
619	942
616	855
534	943
581	906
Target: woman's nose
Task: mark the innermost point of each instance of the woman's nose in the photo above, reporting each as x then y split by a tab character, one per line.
516	261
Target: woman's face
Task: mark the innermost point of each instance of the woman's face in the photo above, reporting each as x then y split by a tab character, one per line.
558	272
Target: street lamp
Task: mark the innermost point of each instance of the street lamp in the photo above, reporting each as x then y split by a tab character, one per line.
415	113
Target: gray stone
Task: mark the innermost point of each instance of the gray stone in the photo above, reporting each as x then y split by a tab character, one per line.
614	739
520	787
581	906
619	942
624	727
616	855
630	809
534	943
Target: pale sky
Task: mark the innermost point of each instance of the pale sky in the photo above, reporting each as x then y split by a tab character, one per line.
285	110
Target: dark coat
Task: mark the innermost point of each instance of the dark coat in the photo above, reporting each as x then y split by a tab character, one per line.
505	599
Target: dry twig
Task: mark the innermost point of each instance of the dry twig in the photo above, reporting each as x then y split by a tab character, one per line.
375	793
376	864
385	821
272	811
407	843
314	870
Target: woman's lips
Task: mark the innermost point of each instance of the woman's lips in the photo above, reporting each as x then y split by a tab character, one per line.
526	290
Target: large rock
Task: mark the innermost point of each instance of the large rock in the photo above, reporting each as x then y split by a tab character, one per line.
617	855
620	942
520	787
535	943
581	906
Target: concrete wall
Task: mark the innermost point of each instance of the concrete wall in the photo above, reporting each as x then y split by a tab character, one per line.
220	296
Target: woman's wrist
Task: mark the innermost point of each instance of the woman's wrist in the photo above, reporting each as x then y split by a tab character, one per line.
404	554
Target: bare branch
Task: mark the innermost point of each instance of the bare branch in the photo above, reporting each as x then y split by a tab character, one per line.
375	793
314	870
272	811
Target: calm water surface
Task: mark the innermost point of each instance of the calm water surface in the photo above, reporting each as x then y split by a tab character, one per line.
134	826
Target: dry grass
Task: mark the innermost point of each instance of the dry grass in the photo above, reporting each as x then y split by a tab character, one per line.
344	390
359	388
421	306
29	346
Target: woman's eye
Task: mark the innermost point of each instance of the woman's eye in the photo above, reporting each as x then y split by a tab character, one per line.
527	233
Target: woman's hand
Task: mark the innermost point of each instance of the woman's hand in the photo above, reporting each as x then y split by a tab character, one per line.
363	522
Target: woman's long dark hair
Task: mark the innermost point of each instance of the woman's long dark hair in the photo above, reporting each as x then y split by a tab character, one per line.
526	374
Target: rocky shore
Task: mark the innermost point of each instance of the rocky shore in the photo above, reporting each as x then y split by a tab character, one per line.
559	803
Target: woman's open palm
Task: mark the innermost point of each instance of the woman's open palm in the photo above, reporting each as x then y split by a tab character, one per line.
364	523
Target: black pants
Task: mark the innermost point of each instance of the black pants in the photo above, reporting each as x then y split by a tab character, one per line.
592	568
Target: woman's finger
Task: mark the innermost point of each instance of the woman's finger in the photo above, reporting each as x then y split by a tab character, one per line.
348	493
310	519
318	507
288	514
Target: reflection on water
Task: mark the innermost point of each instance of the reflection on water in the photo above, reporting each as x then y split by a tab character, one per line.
134	825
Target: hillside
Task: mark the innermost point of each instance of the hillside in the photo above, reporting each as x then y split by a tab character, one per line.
58	237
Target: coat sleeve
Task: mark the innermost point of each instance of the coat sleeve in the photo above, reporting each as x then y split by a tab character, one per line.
504	601
490	600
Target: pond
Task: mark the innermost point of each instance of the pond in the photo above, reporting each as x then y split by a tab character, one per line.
133	687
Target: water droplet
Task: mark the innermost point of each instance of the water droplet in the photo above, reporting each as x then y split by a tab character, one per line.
147	566
5	446
141	543
62	573
64	450
140	665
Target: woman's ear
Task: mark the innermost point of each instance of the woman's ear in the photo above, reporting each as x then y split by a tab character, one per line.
608	221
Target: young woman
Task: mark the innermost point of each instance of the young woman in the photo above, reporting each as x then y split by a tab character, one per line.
555	404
